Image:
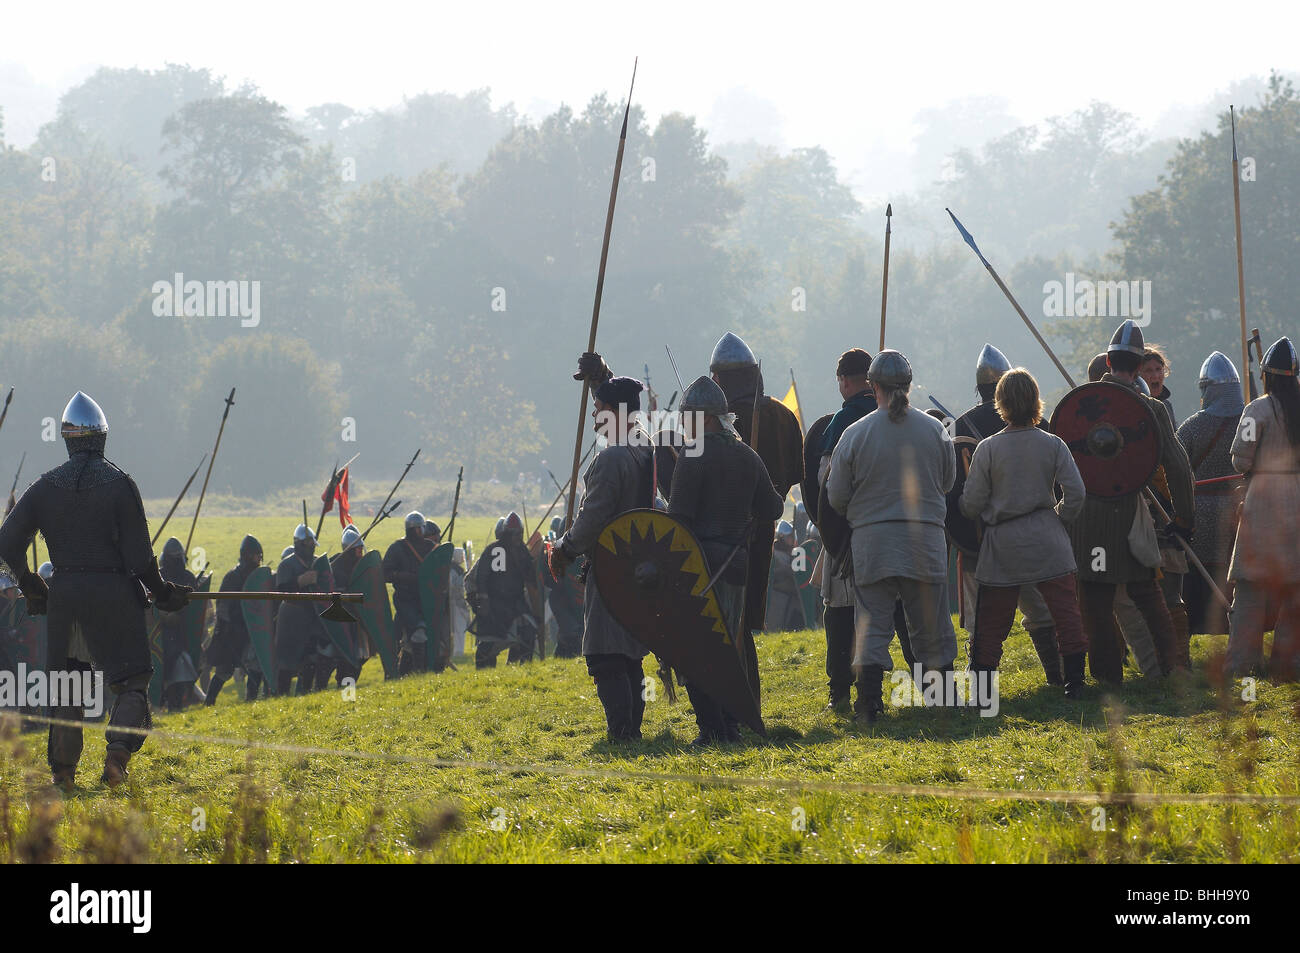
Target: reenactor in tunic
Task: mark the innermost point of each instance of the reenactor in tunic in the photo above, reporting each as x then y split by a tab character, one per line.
566	597
779	443
230	633
979	423
402	571
1266	555
1207	437
724	495
92	519
505	592
618	479
1100	537
889	477
179	670
298	628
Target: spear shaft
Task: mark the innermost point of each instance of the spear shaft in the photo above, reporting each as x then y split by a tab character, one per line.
559	496
230	402
455	504
5	412
600	287
1241	271
185	489
379	515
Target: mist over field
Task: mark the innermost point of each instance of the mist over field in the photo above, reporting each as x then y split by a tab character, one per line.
415	268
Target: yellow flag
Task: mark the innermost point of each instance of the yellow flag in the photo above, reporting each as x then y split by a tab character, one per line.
791	400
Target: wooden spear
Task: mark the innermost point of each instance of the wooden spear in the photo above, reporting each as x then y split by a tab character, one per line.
230	402
1241	272
180	496
600	287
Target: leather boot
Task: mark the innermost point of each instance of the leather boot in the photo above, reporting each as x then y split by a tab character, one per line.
1182	637
869	706
1049	655
214	689
115	766
1073	665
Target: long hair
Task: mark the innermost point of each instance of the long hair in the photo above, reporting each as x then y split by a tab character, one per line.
897	404
1286	391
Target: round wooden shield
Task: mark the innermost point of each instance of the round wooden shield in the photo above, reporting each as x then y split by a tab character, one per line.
1113	435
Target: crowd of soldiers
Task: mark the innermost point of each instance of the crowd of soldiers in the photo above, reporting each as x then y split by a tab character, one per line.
893	502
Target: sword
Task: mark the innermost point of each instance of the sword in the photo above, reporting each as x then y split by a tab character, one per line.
975	430
727	562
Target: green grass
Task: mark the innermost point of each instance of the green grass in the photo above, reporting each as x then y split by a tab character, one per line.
274	806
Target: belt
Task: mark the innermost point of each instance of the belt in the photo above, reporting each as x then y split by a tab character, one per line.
90	569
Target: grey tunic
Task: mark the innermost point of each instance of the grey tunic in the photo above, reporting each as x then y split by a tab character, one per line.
1207	438
1267	548
618	479
890	481
1010	487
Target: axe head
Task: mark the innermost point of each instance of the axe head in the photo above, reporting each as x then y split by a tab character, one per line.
336	612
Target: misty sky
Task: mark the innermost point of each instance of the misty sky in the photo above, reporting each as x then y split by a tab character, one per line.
846	76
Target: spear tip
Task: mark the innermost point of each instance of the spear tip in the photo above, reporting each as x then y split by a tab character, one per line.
889	209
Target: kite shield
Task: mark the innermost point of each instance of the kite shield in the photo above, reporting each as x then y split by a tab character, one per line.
435	606
375	613
651	573
193	617
259	619
1113	436
29	637
337	631
805	558
154	619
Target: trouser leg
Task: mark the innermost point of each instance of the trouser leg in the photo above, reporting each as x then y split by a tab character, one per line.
839	650
252	684
1284	662
610	673
636	683
1171	587
933	638
1150	601
993	614
1246	628
708	713
1105	645
1135	632
873	623
1042	632
63	750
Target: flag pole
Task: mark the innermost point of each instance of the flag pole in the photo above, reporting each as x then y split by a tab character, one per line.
884	283
1241	271
595	310
798	403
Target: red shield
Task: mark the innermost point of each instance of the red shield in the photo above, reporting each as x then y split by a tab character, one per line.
1113	435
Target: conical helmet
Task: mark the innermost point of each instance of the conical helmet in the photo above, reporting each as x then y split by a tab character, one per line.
414	520
1127	337
303	532
351	537
731	352
83	417
513	524
990	366
173	548
250	544
704	396
1219	369
1280	358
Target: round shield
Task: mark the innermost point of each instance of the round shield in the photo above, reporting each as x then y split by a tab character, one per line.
964	532
812	458
1113	436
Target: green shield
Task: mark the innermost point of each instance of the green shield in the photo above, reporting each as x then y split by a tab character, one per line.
153	620
375	613
29	636
805	559
259	618
193	618
435	606
337	631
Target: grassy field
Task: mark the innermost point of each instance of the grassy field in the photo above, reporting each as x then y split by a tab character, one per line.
210	801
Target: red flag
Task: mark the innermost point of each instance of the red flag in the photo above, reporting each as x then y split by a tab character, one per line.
341	494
